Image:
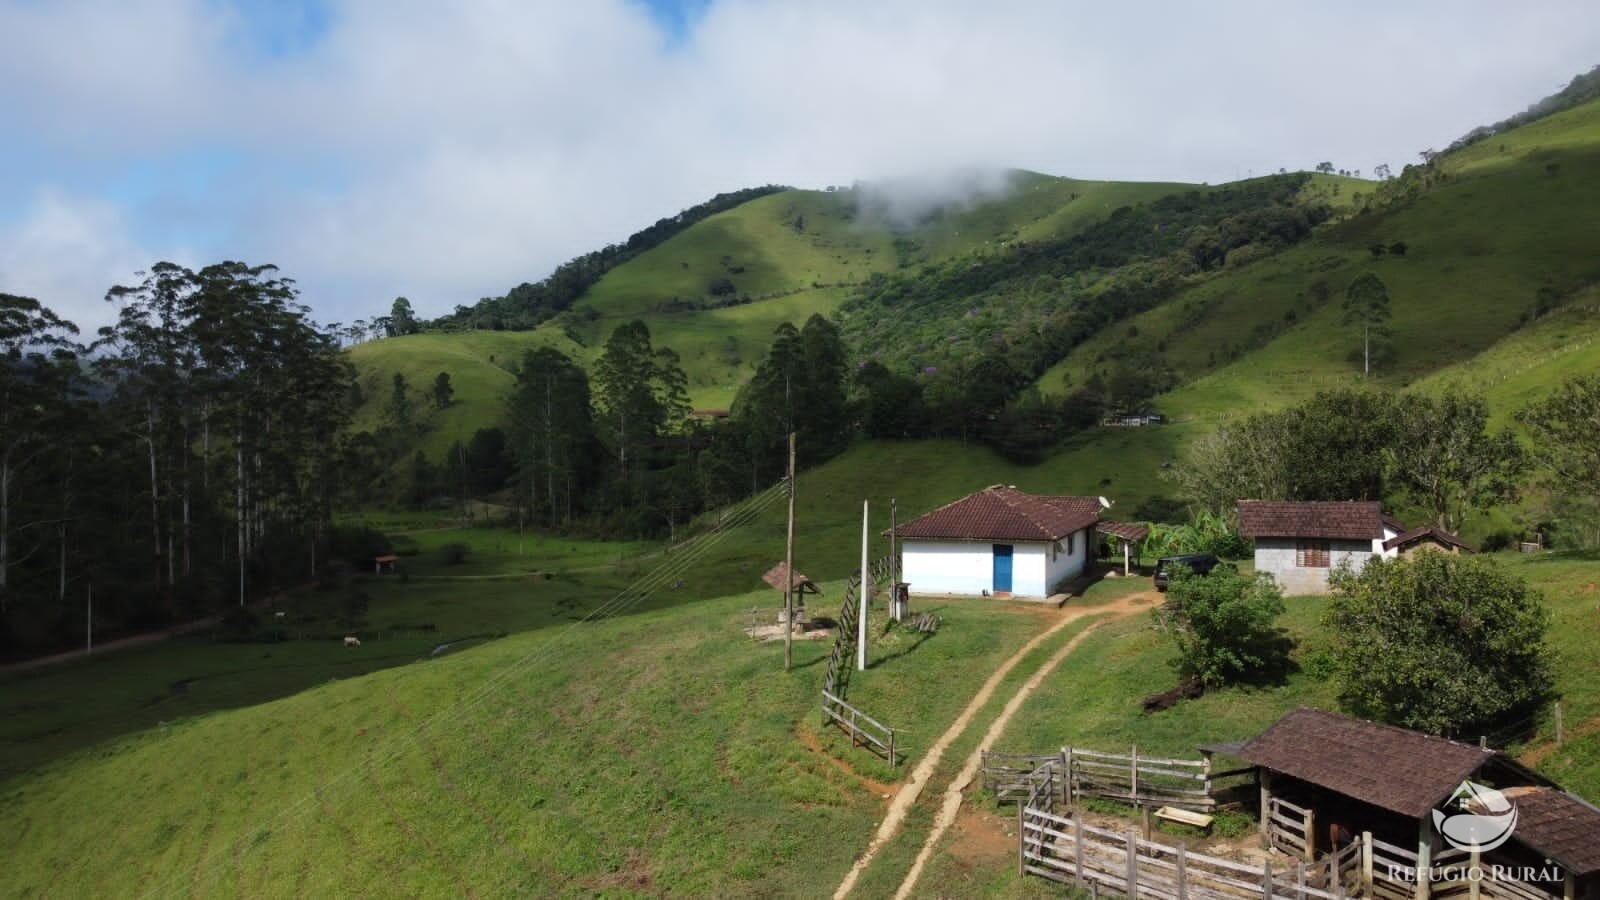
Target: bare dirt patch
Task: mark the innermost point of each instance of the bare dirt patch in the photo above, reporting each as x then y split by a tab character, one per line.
814	744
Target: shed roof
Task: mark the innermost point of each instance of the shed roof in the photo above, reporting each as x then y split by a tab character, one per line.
1337	519
1126	531
386	558
1559	826
798	582
1000	513
1402	771
1428	533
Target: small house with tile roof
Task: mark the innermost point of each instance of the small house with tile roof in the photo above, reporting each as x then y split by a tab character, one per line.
1000	542
1299	542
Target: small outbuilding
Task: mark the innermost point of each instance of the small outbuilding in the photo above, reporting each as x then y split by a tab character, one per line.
998	541
1299	542
1426	538
385	564
1353	777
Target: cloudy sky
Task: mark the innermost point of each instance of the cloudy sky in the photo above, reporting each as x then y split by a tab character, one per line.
447	151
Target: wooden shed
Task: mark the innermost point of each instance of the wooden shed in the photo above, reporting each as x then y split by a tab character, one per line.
1351	776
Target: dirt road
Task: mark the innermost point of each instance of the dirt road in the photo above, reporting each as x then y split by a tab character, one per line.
906	797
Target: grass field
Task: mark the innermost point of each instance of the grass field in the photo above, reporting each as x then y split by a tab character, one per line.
658	751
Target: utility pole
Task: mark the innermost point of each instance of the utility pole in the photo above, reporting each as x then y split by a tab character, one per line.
866	589
89	618
788	575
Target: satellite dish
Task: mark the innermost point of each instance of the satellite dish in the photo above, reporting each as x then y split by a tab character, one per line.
1104	503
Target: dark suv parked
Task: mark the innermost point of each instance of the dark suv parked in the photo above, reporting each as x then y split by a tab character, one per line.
1199	563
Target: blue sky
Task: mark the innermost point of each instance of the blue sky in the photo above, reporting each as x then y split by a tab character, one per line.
373	148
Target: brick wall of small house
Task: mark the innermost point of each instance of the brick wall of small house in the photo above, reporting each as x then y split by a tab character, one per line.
1276	556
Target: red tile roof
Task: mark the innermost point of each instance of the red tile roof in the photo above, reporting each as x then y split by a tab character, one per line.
1428	532
1000	513
1128	532
1338	520
1403	771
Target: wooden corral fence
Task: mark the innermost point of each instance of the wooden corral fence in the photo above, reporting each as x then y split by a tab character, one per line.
1011	776
1291	829
1147	780
864	730
1067	850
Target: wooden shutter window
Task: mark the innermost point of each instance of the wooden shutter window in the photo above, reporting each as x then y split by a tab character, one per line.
1311	554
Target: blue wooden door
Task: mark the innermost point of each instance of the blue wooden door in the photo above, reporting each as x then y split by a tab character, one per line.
1002	568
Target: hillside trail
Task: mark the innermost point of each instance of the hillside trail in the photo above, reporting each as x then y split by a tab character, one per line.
906	797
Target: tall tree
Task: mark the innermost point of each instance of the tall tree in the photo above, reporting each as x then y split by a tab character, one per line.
1444	456
35	351
1366	303
552	433
642	391
401	318
443	393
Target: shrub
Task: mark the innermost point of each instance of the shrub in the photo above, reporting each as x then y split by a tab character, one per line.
1225	625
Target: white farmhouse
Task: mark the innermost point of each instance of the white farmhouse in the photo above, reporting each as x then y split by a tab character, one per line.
1299	542
998	541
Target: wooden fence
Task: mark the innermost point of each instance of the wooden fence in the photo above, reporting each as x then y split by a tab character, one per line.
1146	780
1067	850
864	730
1291	828
1011	776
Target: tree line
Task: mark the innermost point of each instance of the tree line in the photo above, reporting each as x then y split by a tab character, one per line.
186	458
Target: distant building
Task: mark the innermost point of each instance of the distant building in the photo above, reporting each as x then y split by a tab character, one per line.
998	541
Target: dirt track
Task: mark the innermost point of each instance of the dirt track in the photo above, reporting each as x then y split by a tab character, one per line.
907	796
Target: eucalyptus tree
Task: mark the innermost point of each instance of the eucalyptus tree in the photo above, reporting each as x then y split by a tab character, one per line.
37	359
552	433
643	394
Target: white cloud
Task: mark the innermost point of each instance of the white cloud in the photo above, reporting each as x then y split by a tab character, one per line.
449	152
67	252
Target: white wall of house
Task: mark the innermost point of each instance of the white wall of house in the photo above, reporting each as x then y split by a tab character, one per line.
948	567
967	567
1276	556
1070	556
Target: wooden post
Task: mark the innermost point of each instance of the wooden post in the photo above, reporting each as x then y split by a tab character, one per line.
891	748
1205	761
1559	734
1300	881
1072	795
1424	858
1266	801
1077	851
1133	864
1183	871
1473	875
1133	767
1127	557
1066	778
788	575
1366	863
1311	836
1144	814
1266	880
1569	886
1022	844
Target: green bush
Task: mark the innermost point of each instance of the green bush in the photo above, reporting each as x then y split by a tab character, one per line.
1225	625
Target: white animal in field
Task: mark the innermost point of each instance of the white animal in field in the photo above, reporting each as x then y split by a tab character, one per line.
279	614
351	640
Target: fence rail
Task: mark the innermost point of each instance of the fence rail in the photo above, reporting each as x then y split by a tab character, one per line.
1067	850
863	729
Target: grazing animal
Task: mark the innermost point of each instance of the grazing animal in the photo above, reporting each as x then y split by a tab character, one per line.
352	641
279	614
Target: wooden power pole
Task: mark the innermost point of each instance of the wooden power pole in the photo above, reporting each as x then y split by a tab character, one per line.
788	576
